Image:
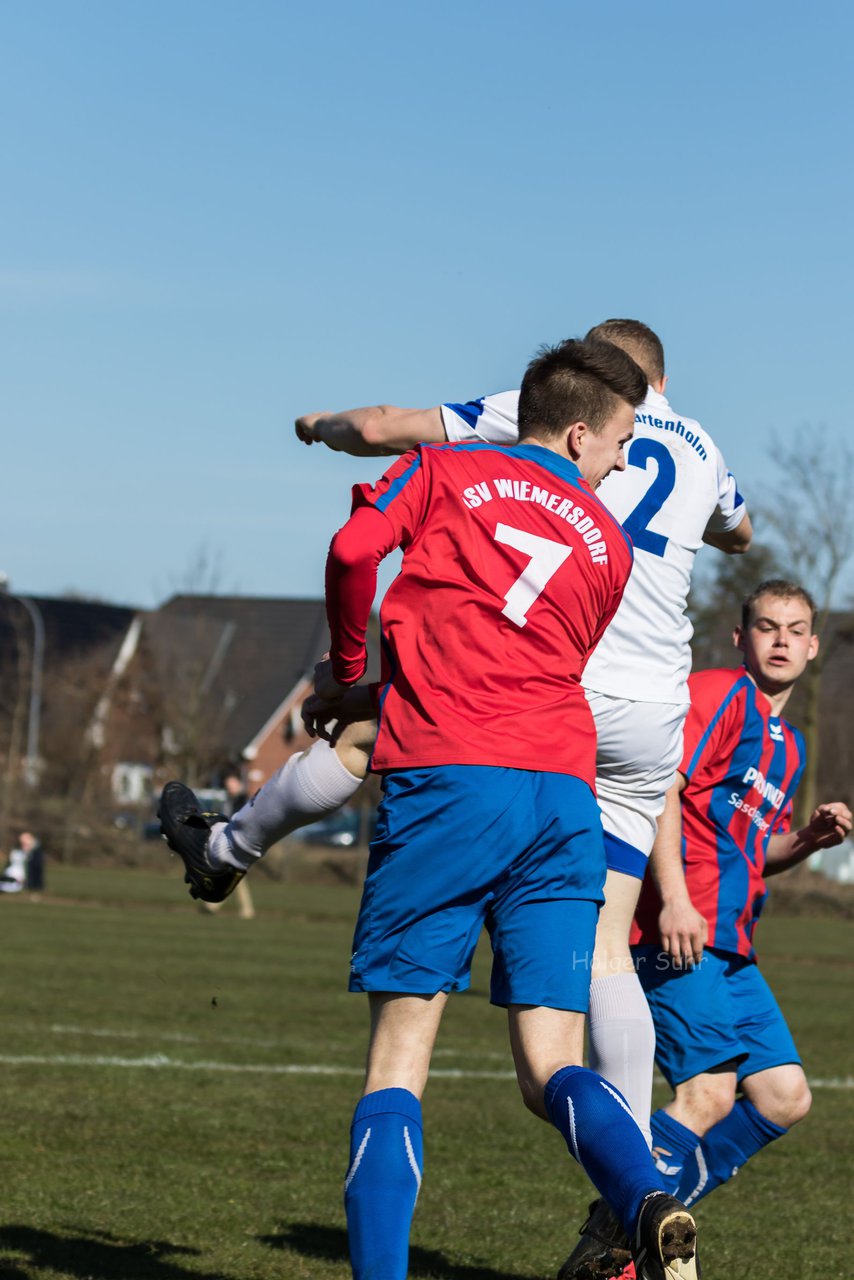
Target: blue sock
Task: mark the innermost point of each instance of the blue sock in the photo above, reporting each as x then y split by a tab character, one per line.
674	1150
728	1145
694	1166
603	1136
383	1181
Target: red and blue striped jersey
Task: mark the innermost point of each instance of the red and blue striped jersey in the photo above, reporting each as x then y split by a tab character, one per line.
742	766
511	570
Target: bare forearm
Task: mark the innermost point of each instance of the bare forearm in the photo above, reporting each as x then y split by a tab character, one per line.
828	826
786	851
665	863
683	930
377	430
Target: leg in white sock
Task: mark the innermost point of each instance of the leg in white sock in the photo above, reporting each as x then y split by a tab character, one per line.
307	787
622	1037
622	1041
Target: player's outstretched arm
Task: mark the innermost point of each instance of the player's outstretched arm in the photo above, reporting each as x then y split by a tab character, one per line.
377	430
683	930
735	541
828	826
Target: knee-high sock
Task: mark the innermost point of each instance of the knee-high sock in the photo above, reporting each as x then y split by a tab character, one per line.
674	1150
307	787
382	1183
622	1041
601	1133
694	1166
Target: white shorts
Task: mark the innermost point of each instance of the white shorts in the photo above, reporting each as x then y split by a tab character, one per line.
639	746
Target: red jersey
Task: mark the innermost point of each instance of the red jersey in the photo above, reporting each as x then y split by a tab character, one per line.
743	765
512	569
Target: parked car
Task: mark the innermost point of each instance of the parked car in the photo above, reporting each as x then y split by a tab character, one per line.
143	823
341	830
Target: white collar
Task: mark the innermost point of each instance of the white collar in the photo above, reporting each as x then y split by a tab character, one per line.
656	399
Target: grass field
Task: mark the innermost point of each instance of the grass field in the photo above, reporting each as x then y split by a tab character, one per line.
177	1090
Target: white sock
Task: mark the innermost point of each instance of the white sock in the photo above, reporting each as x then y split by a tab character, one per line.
307	787
622	1041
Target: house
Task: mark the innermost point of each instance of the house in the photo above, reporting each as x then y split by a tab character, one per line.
137	696
56	658
226	676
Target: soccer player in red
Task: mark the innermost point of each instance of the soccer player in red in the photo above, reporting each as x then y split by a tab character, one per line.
512	569
722	1042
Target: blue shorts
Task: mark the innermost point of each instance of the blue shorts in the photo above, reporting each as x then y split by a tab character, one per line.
721	1011
458	847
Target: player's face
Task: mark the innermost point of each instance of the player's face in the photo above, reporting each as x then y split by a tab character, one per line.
602	453
778	642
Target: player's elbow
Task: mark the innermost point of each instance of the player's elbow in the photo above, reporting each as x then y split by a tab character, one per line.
741	537
734	542
362	542
378	426
388	429
738	547
346	551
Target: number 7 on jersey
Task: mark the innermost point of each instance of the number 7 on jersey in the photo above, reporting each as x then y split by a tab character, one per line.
546	558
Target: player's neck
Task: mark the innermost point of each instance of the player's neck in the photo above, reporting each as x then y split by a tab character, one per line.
554	444
776	696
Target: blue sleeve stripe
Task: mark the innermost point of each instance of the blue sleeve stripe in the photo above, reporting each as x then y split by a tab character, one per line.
737	501
469	412
701	745
397	485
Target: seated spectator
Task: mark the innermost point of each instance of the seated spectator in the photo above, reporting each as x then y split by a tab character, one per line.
15	874
25	868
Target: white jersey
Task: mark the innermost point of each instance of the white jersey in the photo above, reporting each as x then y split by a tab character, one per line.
674	488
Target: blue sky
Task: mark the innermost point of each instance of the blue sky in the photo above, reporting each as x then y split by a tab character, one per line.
217	216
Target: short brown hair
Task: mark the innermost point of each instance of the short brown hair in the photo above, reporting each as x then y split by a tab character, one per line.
781	589
577	381
638	340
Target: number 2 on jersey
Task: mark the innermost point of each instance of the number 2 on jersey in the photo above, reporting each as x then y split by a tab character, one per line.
639	453
546	558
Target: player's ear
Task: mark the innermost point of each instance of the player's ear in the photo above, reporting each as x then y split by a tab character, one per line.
738	637
575	438
813	649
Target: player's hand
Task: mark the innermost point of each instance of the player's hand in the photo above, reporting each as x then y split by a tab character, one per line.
327	719
326	687
344	432
321	708
305	427
319	718
683	932
829	825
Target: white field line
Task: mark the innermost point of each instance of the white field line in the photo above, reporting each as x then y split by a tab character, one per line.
177	1037
161	1061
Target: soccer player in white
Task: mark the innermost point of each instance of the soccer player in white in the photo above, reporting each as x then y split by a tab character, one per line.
674	494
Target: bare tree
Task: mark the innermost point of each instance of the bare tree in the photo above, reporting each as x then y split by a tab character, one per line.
194	720
15	695
809	517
